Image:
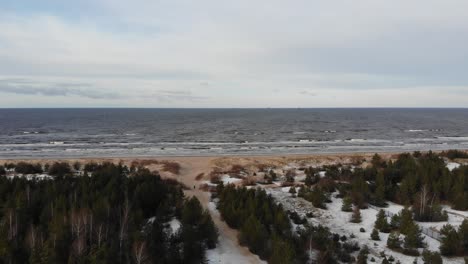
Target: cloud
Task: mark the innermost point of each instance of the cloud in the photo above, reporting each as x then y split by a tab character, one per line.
28	87
211	53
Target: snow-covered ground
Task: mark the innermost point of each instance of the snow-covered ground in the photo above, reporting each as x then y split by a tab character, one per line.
339	222
226	179
226	251
452	165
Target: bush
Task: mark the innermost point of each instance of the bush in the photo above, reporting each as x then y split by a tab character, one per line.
2	170
27	168
362	230
60	169
430	257
455	154
375	235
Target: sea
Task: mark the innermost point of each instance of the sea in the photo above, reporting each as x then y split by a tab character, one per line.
71	133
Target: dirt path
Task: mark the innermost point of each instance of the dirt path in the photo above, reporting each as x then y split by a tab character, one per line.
228	243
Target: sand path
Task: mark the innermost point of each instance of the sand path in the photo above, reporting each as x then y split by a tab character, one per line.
228	247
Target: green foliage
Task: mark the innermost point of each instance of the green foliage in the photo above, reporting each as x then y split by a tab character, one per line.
28	168
60	169
430	257
414	238
375	235
379	197
381	223
394	241
455	154
454	242
100	219
347	204
257	216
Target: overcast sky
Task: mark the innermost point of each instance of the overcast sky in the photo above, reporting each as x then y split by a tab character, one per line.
242	53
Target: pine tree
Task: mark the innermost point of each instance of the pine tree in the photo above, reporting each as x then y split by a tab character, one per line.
363	254
406	220
282	252
375	235
450	241
381	222
347	204
393	241
356	217
380	189
395	221
292	191
414	238
463	235
430	257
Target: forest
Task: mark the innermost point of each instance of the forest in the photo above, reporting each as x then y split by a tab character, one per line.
110	214
267	230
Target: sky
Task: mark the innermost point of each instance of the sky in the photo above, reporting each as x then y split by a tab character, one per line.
243	53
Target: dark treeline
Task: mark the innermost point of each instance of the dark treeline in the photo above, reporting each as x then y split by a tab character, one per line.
112	214
266	229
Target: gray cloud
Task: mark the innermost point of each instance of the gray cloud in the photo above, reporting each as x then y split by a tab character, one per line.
176	95
30	87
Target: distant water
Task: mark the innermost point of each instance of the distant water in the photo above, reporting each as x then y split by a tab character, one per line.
167	132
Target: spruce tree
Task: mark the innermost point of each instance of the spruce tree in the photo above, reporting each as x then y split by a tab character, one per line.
450	241
406	220
463	235
380	190
381	222
347	204
394	241
414	238
375	235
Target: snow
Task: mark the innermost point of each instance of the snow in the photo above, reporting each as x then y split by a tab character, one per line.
339	222
226	252
452	165
174	225
226	179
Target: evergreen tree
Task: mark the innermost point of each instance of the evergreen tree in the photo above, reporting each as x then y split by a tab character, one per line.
292	191
394	241
362	257
406	220
375	235
347	204
450	241
282	252
356	217
430	257
463	236
414	238
381	222
380	189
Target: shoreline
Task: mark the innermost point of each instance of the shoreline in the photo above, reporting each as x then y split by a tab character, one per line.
214	156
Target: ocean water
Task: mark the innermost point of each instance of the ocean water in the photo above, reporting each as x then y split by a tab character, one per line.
36	133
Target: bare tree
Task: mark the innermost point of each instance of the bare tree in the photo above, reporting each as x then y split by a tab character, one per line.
139	252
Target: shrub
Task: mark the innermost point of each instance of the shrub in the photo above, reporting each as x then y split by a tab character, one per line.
394	241
430	257
27	168
375	235
60	169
